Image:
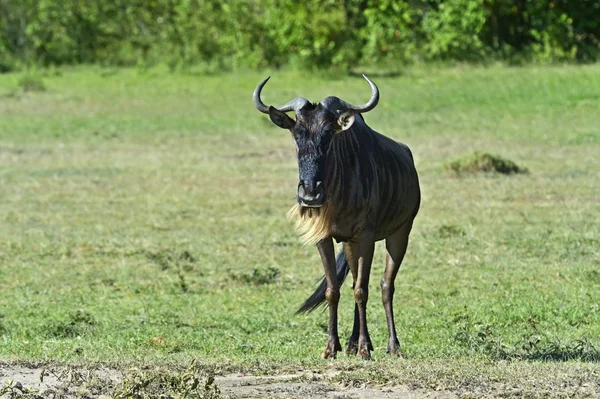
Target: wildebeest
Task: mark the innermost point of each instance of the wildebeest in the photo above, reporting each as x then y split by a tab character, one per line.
355	186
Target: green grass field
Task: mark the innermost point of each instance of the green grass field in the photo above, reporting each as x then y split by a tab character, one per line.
142	221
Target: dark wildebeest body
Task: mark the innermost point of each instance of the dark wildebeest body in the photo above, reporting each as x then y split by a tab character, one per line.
358	187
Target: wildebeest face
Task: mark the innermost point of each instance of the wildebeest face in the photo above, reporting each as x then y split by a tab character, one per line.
313	131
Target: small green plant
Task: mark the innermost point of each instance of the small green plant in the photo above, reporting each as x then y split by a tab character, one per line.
257	276
180	262
450	230
483	162
166	259
3	329
31	83
482	339
75	324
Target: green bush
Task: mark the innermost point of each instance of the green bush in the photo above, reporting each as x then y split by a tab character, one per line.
453	30
310	34
31	83
391	30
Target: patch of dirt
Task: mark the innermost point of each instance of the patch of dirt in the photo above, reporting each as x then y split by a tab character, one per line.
312	386
69	382
64	382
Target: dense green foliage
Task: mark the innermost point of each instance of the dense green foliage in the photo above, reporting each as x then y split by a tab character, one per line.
316	33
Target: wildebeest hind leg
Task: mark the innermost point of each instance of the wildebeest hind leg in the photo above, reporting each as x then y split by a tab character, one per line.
353	341
396	248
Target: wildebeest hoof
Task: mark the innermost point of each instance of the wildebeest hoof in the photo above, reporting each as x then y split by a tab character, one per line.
393	348
395	351
333	347
364	353
352	348
328	353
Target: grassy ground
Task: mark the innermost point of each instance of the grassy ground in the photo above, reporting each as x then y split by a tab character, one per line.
142	220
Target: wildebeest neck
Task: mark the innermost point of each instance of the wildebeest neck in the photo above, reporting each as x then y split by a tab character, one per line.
349	166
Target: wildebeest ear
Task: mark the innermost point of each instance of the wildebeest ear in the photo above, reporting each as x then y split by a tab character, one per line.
346	120
281	119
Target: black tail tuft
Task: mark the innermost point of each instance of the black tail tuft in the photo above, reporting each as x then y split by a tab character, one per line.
318	297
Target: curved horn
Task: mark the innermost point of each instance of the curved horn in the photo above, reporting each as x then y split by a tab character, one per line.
293	105
369	105
256	97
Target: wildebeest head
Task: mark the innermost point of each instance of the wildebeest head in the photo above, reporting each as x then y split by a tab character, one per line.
314	127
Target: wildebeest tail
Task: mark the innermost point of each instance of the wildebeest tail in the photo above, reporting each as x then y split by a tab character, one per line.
318	297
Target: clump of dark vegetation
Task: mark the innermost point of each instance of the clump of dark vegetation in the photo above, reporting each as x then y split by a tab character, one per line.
478	162
190	383
75	324
450	230
181	262
3	329
481	338
256	276
166	259
31	83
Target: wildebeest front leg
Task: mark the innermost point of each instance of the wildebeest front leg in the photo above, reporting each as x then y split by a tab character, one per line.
396	248
361	293
351	251
332	295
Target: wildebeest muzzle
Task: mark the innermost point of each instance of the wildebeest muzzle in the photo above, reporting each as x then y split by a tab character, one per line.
311	194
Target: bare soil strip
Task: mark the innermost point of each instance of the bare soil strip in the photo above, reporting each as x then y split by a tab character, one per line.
20	381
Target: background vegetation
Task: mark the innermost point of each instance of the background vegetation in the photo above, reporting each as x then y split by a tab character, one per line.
316	33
